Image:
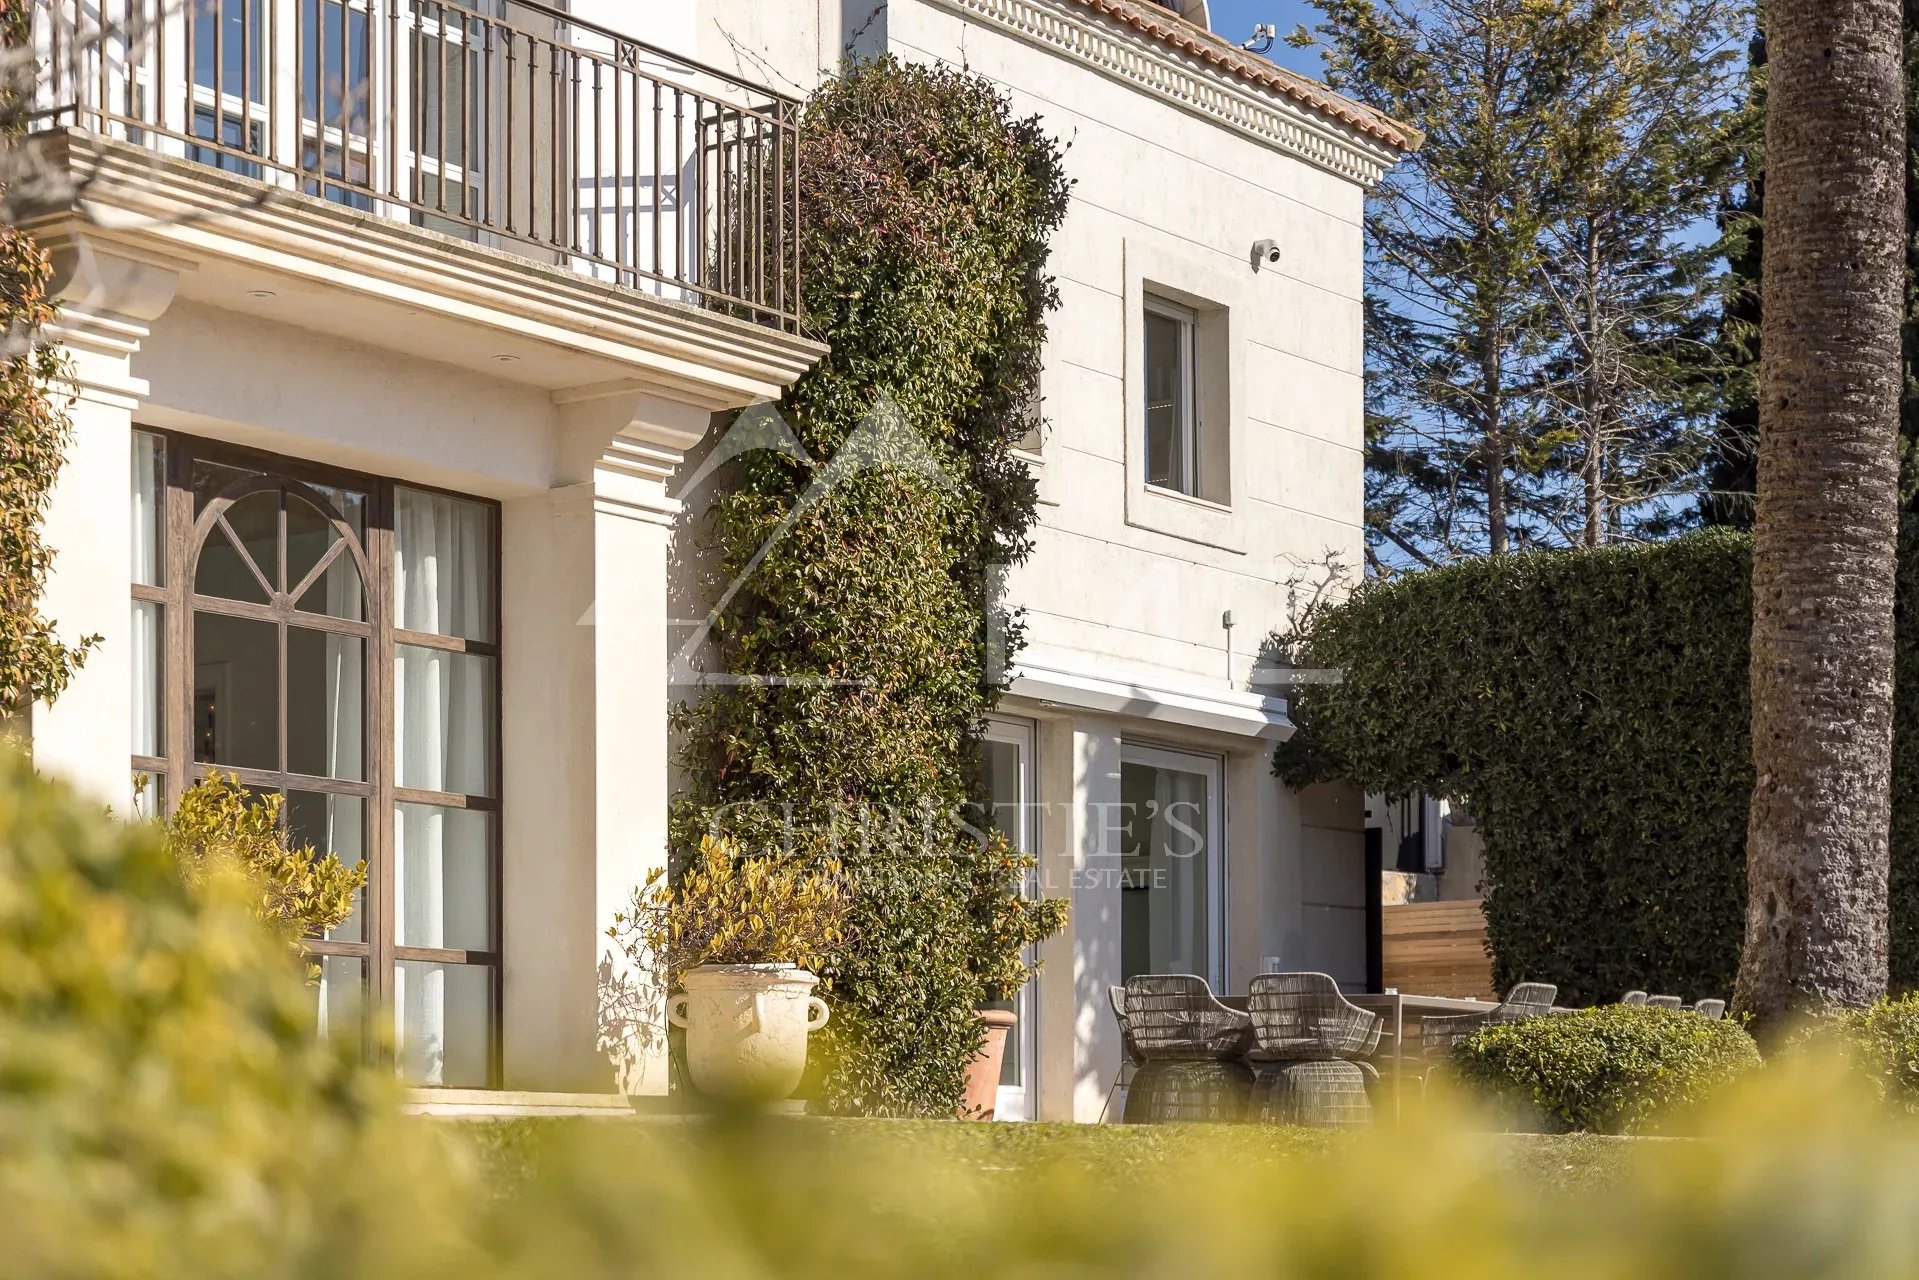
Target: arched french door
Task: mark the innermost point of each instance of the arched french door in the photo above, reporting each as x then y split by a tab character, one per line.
332	638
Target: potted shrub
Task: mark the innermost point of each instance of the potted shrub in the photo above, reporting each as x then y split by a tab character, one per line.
737	939
1006	925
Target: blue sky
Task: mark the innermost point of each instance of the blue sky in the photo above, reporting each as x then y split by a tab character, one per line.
1234	19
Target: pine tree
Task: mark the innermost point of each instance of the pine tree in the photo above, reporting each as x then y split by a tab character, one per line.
1537	318
1647	140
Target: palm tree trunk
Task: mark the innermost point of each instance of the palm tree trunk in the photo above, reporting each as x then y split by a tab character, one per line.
1826	524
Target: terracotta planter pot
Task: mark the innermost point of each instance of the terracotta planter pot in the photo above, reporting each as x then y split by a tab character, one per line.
982	1073
746	1028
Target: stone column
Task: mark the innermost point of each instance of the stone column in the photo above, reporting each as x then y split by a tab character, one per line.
1079	1047
110	296
584	719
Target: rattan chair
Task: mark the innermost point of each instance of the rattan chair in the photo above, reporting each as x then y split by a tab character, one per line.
1130	1058
1305	1016
1189	1046
1665	1002
1437	1036
1713	1009
1306	1037
1633	998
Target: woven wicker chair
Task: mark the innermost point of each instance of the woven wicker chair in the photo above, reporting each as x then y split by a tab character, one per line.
1189	1045
1437	1036
1633	998
1130	1058
1304	1016
1665	1002
1306	1035
1713	1009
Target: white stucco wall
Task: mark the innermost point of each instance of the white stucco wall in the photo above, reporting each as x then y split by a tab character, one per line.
1126	586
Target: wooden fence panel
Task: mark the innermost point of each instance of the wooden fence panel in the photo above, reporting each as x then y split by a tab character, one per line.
1436	949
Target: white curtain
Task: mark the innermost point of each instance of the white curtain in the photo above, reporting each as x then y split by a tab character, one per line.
148	565
442	712
1177	858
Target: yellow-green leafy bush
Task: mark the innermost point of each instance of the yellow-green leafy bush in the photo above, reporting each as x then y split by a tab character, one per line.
726	909
1613	1069
1006	922
298	892
1882	1041
165	1109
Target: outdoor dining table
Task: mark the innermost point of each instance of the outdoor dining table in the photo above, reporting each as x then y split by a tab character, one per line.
1394	1005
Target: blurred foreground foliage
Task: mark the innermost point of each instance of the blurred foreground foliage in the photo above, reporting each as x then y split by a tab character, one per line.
164	1107
165	1113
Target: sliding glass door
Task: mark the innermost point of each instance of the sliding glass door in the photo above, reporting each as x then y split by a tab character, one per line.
1171	847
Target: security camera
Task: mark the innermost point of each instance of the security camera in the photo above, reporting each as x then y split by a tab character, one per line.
1265	254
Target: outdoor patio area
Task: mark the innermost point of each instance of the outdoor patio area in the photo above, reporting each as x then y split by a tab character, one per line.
1297	1050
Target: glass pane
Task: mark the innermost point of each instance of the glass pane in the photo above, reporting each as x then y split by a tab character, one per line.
310	535
149	509
442	877
443	565
149	660
351	505
236	692
333	78
227	36
443	1023
444	713
335	825
1000	781
223	571
1166	398
1003	782
339	1000
326	704
1165	893
211	479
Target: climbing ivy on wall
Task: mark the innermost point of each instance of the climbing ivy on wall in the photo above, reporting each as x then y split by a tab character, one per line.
925	212
1590	707
34	429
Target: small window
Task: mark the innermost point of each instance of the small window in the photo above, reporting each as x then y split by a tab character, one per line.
1172	428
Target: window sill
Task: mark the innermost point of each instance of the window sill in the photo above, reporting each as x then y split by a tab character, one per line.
1204	504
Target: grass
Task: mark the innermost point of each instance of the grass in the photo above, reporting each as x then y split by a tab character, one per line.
511	1151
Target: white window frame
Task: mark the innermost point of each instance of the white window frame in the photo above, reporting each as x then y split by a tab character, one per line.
1018	1102
1186	400
1213	769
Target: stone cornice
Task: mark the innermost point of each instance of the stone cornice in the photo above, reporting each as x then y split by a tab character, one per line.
1267	114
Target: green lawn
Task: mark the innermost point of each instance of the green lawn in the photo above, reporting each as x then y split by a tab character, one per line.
510	1150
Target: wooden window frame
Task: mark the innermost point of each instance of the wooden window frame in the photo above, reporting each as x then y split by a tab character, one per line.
181	542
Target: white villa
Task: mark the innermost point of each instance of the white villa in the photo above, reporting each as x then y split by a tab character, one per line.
392	321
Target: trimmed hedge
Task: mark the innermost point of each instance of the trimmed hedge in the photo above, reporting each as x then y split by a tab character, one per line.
1590	707
1613	1069
1883	1041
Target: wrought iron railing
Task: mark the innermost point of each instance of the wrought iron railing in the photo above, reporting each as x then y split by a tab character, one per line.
503	122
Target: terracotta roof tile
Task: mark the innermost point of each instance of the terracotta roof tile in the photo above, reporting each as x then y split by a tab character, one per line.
1188	37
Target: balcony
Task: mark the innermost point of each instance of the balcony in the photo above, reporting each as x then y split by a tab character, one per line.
511	126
